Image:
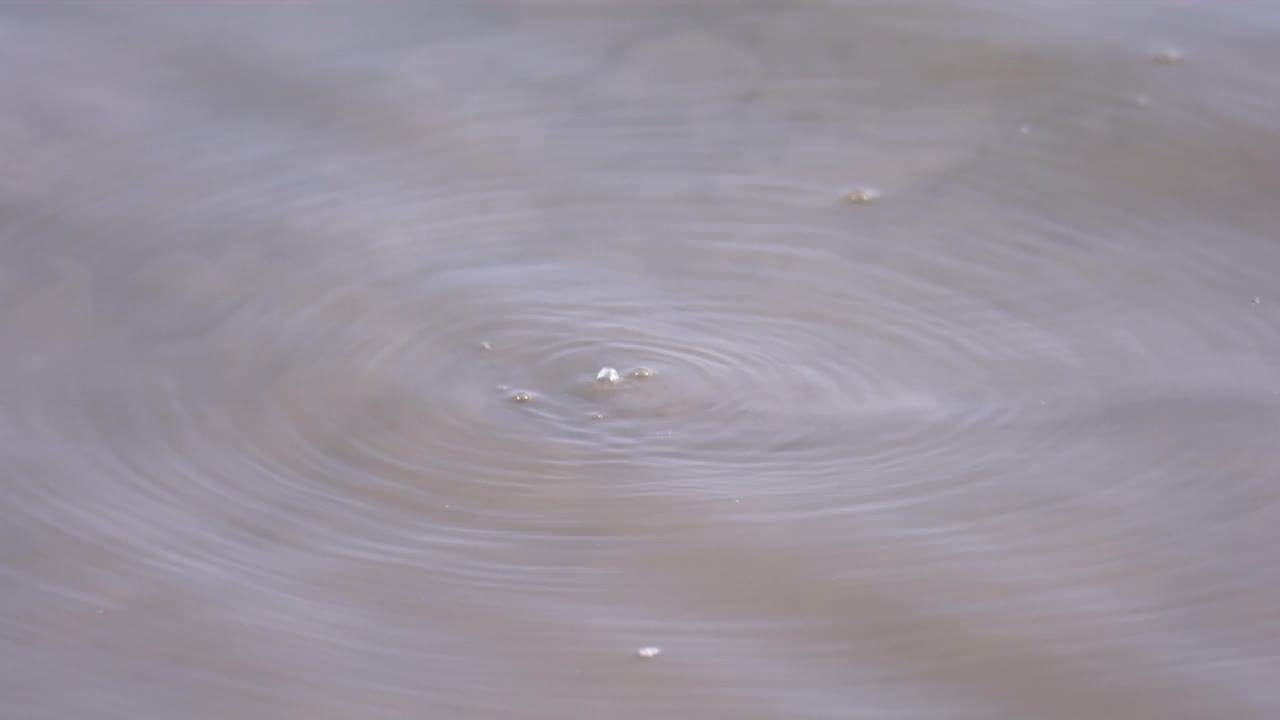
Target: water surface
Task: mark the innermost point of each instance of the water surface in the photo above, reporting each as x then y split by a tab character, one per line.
302	308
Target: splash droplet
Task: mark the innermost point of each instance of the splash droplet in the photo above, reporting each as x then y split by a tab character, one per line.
608	375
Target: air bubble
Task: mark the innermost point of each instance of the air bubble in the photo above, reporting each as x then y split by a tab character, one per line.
862	196
640	373
608	375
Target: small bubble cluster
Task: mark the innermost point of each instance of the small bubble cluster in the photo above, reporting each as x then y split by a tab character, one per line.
605	377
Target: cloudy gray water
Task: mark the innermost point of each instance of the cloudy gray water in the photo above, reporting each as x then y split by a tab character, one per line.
302	306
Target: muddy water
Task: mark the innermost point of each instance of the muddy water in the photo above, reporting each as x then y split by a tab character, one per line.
302	308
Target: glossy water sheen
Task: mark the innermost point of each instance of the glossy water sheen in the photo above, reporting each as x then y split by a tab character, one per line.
947	338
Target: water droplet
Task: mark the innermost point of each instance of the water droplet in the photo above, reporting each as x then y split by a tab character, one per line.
1168	56
641	373
608	375
486	345
862	196
521	397
649	652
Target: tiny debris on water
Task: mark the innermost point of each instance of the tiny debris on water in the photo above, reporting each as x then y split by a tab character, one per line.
862	196
608	375
649	652
521	397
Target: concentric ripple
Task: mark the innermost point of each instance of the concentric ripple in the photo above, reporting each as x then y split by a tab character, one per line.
946	380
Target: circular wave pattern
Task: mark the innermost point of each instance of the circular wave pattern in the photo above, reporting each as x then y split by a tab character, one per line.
328	370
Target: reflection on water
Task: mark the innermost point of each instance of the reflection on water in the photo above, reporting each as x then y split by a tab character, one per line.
945	338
